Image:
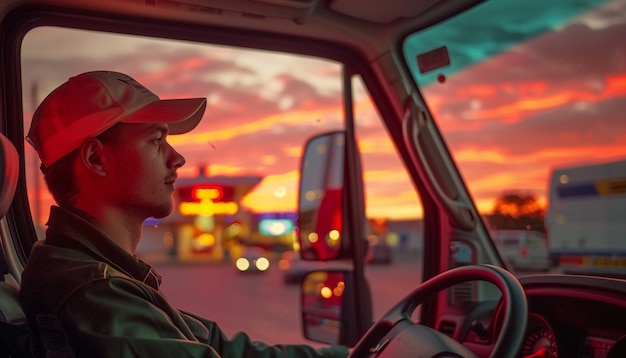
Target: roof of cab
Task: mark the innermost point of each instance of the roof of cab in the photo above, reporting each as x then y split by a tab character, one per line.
369	25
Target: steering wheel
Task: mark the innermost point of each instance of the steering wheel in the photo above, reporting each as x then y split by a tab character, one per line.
396	335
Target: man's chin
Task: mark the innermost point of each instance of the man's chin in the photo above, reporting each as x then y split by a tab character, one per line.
162	212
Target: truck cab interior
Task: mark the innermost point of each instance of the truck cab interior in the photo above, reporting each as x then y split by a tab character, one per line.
445	117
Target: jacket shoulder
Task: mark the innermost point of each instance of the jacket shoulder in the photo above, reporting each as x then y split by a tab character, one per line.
53	274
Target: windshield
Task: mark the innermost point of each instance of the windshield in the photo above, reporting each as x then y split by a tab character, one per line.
533	114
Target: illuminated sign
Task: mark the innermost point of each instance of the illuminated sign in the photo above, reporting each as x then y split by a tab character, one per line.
201	193
207	207
207	200
278	215
216	193
275	227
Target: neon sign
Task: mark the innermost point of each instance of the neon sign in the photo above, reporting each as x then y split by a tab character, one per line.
215	192
275	227
205	200
201	193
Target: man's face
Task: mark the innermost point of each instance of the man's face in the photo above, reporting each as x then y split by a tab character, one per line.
141	168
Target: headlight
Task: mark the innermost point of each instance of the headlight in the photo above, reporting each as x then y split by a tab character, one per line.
242	264
262	263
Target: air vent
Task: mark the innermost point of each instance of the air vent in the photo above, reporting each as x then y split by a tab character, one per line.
463	293
447	328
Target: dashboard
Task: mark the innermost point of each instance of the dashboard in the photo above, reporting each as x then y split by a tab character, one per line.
575	316
569	316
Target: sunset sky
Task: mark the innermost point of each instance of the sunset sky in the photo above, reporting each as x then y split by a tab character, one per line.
555	100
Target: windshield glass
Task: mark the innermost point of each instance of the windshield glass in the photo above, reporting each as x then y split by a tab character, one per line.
532	108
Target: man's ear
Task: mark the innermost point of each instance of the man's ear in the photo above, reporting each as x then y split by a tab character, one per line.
92	156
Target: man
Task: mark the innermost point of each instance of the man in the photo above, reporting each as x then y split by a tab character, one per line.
102	141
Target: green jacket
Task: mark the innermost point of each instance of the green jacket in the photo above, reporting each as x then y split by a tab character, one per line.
109	305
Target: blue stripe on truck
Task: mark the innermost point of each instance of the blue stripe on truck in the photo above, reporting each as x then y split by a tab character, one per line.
586	189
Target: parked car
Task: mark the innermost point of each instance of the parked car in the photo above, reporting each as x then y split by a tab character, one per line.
252	259
523	249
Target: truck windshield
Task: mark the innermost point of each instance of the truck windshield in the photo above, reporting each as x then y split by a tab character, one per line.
533	113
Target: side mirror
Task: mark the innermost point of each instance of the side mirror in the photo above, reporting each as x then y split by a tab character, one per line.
320	204
327	315
337	303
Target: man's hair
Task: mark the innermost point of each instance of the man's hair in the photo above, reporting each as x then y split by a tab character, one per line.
60	177
61	181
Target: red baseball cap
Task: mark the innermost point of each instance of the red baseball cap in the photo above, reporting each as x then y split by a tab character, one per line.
92	102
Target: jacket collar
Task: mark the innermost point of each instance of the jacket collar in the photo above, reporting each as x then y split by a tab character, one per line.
71	229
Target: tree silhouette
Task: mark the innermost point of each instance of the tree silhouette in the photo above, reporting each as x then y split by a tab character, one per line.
517	211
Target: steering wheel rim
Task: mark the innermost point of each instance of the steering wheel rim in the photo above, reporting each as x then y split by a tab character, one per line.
515	311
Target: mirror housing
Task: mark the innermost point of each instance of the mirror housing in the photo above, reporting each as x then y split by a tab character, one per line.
332	226
320	202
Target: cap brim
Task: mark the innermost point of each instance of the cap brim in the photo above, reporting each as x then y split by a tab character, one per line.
182	115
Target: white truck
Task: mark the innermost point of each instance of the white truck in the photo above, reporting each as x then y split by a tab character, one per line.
586	218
